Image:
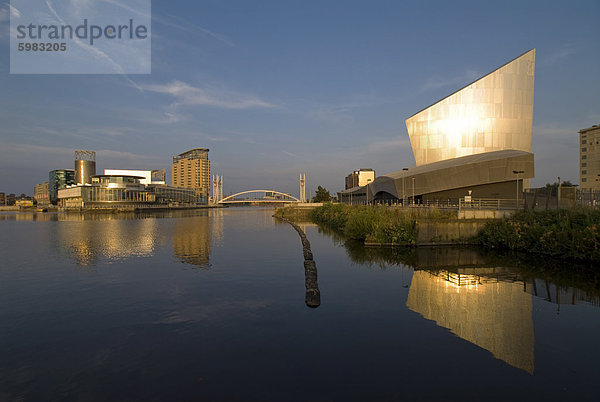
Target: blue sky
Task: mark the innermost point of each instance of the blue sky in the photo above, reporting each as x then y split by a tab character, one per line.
275	88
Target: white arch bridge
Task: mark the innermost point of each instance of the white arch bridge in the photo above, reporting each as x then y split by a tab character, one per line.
258	197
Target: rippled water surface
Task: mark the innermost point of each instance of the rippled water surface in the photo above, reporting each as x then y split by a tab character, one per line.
210	305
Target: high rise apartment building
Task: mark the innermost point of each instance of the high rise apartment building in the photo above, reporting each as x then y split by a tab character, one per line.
589	158
191	169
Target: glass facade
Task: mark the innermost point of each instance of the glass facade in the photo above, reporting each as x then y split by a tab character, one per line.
169	194
58	180
493	113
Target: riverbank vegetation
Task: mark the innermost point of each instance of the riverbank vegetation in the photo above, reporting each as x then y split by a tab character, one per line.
572	234
567	233
377	224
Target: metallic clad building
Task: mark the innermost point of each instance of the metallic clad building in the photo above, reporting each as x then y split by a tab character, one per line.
493	113
85	166
476	142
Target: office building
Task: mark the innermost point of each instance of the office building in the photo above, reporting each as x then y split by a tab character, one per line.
191	169
57	180
589	158
41	194
360	177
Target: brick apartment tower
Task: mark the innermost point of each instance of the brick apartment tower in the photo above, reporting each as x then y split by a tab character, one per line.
191	169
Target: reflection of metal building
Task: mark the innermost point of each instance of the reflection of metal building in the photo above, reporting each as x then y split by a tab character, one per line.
85	166
489	313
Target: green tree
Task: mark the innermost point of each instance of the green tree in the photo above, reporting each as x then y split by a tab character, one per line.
565	183
322	195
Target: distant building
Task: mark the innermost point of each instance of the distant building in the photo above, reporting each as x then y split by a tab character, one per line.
360	177
24	202
158	176
191	169
106	191
41	193
589	158
58	180
2	199
147	175
10	199
85	166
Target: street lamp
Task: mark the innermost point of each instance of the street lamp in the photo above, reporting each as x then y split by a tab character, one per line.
403	196
558	194
517	172
413	191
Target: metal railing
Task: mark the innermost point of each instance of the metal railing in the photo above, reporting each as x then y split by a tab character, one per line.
458	204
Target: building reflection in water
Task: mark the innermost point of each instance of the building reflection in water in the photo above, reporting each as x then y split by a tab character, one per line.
486	311
191	240
484	298
86	241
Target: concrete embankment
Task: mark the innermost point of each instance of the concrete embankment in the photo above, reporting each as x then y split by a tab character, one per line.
138	209
313	295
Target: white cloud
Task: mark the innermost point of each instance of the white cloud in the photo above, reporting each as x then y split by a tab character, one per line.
186	26
559	54
436	82
187	95
388	145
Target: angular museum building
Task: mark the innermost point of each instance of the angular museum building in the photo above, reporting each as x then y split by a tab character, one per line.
476	141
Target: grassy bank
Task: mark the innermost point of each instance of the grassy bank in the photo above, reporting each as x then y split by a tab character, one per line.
569	234
375	224
294	214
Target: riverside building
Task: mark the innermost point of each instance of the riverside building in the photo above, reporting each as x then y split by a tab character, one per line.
191	169
589	158
58	180
474	142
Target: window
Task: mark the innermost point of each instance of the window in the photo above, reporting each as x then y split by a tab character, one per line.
584	172
583	142
584	164
584	157
583	149
584	180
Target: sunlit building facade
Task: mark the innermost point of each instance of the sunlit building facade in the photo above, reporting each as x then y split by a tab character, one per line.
360	177
493	113
589	158
58	180
191	169
475	142
41	194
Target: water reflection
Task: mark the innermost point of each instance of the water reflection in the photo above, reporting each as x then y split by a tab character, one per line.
112	239
191	240
88	237
484	298
492	314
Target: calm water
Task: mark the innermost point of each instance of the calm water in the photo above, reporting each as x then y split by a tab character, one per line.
211	306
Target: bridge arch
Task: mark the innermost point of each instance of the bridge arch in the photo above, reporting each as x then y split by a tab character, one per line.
285	197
